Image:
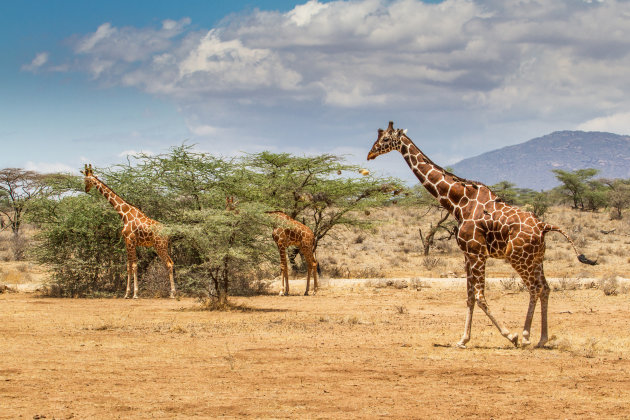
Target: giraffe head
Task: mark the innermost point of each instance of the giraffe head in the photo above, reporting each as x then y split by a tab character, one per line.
387	141
89	177
230	205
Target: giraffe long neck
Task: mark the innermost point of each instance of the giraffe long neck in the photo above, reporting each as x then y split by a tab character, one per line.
435	179
114	199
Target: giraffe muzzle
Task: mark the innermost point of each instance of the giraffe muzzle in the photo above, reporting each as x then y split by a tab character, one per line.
371	156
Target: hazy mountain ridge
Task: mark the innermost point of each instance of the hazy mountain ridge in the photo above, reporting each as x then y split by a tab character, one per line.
529	164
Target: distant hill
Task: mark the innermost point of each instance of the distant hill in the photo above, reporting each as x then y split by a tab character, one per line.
529	164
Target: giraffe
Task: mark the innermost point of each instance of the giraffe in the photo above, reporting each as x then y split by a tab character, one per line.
138	230
487	228
290	232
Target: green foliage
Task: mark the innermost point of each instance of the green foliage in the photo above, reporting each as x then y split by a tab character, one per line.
322	191
574	185
80	240
510	194
618	196
216	252
540	204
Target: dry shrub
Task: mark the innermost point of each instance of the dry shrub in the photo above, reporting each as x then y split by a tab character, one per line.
155	282
418	284
431	262
566	283
369	272
609	285
512	284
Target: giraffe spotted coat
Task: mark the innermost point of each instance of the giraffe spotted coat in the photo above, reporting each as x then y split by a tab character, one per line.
487	227
290	232
138	230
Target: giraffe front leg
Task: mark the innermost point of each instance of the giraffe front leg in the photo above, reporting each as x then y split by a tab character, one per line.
129	276
470	303
131	267
135	280
478	273
467	328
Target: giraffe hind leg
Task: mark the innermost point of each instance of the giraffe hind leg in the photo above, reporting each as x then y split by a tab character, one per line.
168	262
284	289
544	301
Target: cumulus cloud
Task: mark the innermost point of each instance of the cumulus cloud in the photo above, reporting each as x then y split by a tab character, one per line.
499	55
518	65
48	167
617	123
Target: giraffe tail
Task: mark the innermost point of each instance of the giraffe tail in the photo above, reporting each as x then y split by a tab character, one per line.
546	227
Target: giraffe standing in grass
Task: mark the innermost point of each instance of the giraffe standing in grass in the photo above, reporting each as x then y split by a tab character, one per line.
487	227
138	230
290	232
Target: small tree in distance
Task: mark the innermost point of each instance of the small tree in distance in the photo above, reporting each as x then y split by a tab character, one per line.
574	184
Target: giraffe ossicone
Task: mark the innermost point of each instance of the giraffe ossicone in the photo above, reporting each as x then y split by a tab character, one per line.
290	232
487	228
138	230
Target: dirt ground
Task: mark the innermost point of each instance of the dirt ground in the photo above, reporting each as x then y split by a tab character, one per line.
357	352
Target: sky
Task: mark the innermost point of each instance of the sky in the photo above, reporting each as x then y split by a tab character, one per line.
95	82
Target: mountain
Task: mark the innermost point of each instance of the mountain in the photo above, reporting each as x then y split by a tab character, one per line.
529	164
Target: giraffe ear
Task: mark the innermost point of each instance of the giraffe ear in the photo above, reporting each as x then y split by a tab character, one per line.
405	131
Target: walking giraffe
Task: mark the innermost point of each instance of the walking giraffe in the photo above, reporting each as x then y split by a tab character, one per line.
290	232
138	230
487	227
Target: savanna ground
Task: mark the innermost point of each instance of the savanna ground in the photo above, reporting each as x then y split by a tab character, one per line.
372	348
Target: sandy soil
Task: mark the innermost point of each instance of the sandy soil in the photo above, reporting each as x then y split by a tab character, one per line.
355	352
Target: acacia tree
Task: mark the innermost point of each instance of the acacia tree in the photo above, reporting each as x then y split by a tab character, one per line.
618	196
18	188
323	191
418	197
574	184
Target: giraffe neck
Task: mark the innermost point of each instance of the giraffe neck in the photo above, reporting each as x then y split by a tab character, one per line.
115	200
447	188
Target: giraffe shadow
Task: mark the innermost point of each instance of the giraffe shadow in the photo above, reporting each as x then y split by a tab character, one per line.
230	308
477	347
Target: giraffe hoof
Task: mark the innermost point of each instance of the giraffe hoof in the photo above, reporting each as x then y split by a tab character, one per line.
126	296
525	342
514	339
306	293
135	297
541	344
460	345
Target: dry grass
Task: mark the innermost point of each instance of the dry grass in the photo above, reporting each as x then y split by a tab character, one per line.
366	353
393	247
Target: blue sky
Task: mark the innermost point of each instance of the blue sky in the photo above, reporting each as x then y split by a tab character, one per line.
95	81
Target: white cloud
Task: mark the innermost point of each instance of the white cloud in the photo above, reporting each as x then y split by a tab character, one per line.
202	130
39	60
617	123
458	68
103	32
47	167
